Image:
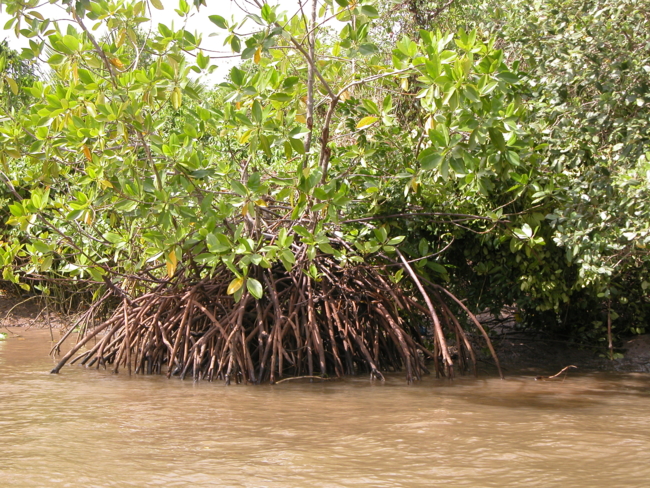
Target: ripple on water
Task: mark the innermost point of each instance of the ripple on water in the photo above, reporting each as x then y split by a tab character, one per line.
93	429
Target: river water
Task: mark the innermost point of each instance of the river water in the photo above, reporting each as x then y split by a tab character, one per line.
89	428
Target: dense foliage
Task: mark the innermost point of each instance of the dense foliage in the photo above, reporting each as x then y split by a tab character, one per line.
585	73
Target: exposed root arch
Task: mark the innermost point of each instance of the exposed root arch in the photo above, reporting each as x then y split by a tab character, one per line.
349	321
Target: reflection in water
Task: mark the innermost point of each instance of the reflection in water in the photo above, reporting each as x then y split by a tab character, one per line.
90	428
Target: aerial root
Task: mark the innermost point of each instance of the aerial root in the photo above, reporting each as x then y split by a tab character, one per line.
349	321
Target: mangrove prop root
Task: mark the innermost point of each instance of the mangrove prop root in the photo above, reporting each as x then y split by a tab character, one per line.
348	321
478	326
293	378
563	370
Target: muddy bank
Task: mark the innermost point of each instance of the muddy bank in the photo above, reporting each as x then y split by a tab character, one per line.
28	312
531	352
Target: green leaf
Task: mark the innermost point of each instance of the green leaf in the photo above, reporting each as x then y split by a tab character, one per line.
71	42
265	145
41	247
288	256
237	76
235	44
218	244
202	60
157	4
429	159
396	240
367	49
239	188
56	59
370	106
525	233
438	268
16	210
326	248
472	93
497	139
381	234
440	135
85	76
297	145
302	231
321	194
369	11
96	273
387	104
281	97
219	21
508	77
257	112
513	157
254	288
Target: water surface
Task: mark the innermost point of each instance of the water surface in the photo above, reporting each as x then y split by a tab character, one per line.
93	429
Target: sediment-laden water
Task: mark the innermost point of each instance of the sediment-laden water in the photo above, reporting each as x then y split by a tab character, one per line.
93	429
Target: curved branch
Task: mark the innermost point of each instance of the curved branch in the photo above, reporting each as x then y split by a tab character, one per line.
434	316
477	323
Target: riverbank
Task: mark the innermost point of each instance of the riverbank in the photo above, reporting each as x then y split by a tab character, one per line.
534	352
520	352
28	312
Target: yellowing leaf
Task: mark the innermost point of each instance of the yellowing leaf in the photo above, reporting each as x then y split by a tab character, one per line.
235	285
366	121
429	124
260	203
117	63
90	107
12	85
172	262
243	139
106	183
177	98
87	153
301	118
121	38
157	4
414	184
258	55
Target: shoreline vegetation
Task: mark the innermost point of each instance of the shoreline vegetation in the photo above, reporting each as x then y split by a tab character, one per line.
345	323
361	185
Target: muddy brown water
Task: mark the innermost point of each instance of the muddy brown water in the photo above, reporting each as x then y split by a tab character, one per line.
89	428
